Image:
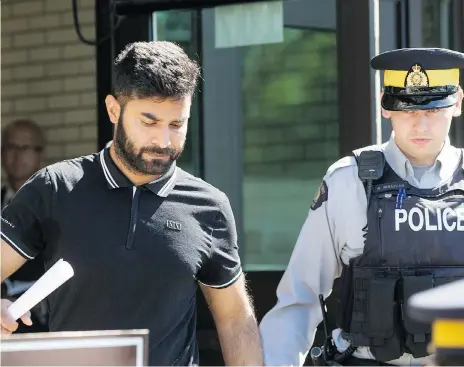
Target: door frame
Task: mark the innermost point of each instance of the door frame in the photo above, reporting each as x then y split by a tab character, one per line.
353	22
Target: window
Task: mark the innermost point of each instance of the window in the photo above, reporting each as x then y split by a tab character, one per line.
290	138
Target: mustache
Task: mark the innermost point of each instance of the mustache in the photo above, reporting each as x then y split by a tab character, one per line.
158	150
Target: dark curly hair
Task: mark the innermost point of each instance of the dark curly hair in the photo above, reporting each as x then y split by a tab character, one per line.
157	70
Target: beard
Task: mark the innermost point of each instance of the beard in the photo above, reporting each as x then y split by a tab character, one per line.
133	157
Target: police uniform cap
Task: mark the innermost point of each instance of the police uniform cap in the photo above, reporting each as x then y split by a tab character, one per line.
419	78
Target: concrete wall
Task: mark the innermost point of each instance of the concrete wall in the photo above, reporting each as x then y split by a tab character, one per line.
48	74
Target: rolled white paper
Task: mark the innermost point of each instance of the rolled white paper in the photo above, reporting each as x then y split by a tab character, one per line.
59	273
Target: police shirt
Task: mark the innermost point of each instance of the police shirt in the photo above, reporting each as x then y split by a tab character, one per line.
138	252
331	235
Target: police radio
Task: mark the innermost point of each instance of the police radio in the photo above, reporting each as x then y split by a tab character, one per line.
371	164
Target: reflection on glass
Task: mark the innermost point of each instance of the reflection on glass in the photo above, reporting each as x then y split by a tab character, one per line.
290	138
180	27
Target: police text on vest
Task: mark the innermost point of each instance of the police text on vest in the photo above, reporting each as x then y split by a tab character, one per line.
447	219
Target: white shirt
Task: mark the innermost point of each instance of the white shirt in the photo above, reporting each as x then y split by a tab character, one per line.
329	238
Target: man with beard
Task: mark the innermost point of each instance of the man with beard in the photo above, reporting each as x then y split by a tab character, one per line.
140	233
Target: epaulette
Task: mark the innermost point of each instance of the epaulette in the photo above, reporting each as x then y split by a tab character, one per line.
341	163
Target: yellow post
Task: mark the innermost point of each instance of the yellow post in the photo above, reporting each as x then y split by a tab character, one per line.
443	307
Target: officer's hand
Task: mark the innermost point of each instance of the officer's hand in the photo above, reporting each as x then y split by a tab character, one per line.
8	323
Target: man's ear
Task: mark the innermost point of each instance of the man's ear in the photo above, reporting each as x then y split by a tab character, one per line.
113	108
386	114
458	105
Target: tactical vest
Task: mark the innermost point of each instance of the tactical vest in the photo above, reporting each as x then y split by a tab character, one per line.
414	241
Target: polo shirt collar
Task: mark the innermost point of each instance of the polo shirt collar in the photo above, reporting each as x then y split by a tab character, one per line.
116	179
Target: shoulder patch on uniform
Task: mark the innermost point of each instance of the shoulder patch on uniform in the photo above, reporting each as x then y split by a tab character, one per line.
322	195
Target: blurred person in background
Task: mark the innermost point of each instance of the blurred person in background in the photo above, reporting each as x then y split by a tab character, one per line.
22	151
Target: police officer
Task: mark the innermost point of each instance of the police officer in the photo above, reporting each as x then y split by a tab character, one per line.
388	220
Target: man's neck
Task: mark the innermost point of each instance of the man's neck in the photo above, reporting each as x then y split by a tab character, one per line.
136	179
421	161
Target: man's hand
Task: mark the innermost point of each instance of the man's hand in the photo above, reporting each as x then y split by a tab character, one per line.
236	324
9	325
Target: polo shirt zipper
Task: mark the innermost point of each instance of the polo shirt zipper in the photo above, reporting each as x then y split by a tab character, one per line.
130	242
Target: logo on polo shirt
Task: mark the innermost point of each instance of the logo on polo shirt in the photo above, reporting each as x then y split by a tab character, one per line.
173	225
6	222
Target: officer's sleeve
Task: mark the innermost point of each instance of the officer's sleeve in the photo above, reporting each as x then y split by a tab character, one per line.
223	267
23	218
288	329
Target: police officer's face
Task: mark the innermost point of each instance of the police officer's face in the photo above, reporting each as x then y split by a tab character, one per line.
150	135
421	134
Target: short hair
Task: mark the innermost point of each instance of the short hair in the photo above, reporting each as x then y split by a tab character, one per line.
156	69
23	123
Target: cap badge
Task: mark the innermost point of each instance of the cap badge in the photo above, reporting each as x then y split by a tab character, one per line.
416	77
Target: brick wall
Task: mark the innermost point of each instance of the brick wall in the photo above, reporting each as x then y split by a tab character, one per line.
48	74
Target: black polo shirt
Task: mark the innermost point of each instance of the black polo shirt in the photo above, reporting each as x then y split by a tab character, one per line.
138	253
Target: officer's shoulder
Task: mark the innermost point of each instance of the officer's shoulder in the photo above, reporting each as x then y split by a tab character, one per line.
349	164
340	177
339	172
340	167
